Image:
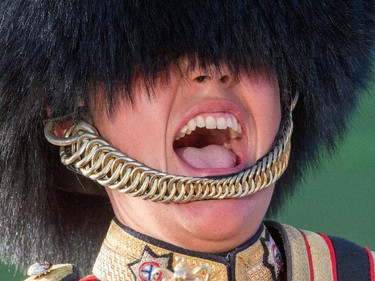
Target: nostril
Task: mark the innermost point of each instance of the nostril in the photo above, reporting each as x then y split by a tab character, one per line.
224	79
202	78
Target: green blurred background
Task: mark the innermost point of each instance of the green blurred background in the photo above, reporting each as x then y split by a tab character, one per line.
339	198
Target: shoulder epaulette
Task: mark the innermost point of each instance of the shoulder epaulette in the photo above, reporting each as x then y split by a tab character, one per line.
315	256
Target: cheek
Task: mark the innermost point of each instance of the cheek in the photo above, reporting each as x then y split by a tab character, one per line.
268	117
265	108
136	131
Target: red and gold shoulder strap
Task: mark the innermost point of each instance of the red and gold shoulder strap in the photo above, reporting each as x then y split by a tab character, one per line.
315	256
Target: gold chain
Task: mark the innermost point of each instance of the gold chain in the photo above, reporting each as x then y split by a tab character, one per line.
88	154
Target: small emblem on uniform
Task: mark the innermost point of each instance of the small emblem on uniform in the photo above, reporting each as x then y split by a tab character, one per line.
273	259
142	268
146	268
39	268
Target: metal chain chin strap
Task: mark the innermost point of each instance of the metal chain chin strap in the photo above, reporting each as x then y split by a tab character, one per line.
88	154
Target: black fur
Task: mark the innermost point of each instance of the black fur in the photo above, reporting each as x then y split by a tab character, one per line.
52	52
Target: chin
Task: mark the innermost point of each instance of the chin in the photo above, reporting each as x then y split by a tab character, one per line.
230	222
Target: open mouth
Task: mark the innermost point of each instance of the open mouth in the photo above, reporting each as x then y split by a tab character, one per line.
210	141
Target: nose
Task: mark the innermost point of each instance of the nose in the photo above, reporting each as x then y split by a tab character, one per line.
221	75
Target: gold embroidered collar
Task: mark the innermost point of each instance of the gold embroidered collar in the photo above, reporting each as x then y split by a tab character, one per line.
128	255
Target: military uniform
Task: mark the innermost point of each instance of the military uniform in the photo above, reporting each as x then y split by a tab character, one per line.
276	252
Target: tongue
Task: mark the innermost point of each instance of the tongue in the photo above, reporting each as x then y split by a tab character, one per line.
211	156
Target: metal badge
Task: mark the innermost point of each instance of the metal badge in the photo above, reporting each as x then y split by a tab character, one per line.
182	273
39	268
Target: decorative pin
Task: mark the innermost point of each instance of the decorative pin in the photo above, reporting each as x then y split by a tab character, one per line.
142	268
39	268
181	272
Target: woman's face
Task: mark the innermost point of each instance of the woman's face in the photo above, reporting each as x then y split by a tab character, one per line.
196	124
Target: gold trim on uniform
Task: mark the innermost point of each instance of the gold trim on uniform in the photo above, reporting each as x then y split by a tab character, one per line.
250	263
320	256
121	251
296	255
299	268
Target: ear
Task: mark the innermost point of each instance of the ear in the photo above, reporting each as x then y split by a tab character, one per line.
62	127
65	122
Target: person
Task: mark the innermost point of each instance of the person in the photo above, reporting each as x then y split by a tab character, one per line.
188	113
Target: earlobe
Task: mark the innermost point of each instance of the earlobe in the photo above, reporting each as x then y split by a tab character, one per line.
62	127
63	123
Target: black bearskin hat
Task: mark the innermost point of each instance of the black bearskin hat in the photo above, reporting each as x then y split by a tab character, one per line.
53	53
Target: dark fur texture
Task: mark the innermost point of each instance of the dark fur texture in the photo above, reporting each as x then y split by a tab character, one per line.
52	52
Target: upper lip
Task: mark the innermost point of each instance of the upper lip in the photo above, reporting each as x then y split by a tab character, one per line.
216	106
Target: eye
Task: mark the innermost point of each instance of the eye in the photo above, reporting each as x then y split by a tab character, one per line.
202	78
224	78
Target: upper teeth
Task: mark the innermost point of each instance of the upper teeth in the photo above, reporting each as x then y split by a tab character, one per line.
211	122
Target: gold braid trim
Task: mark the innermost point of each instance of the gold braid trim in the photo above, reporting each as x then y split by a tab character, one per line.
122	254
86	153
